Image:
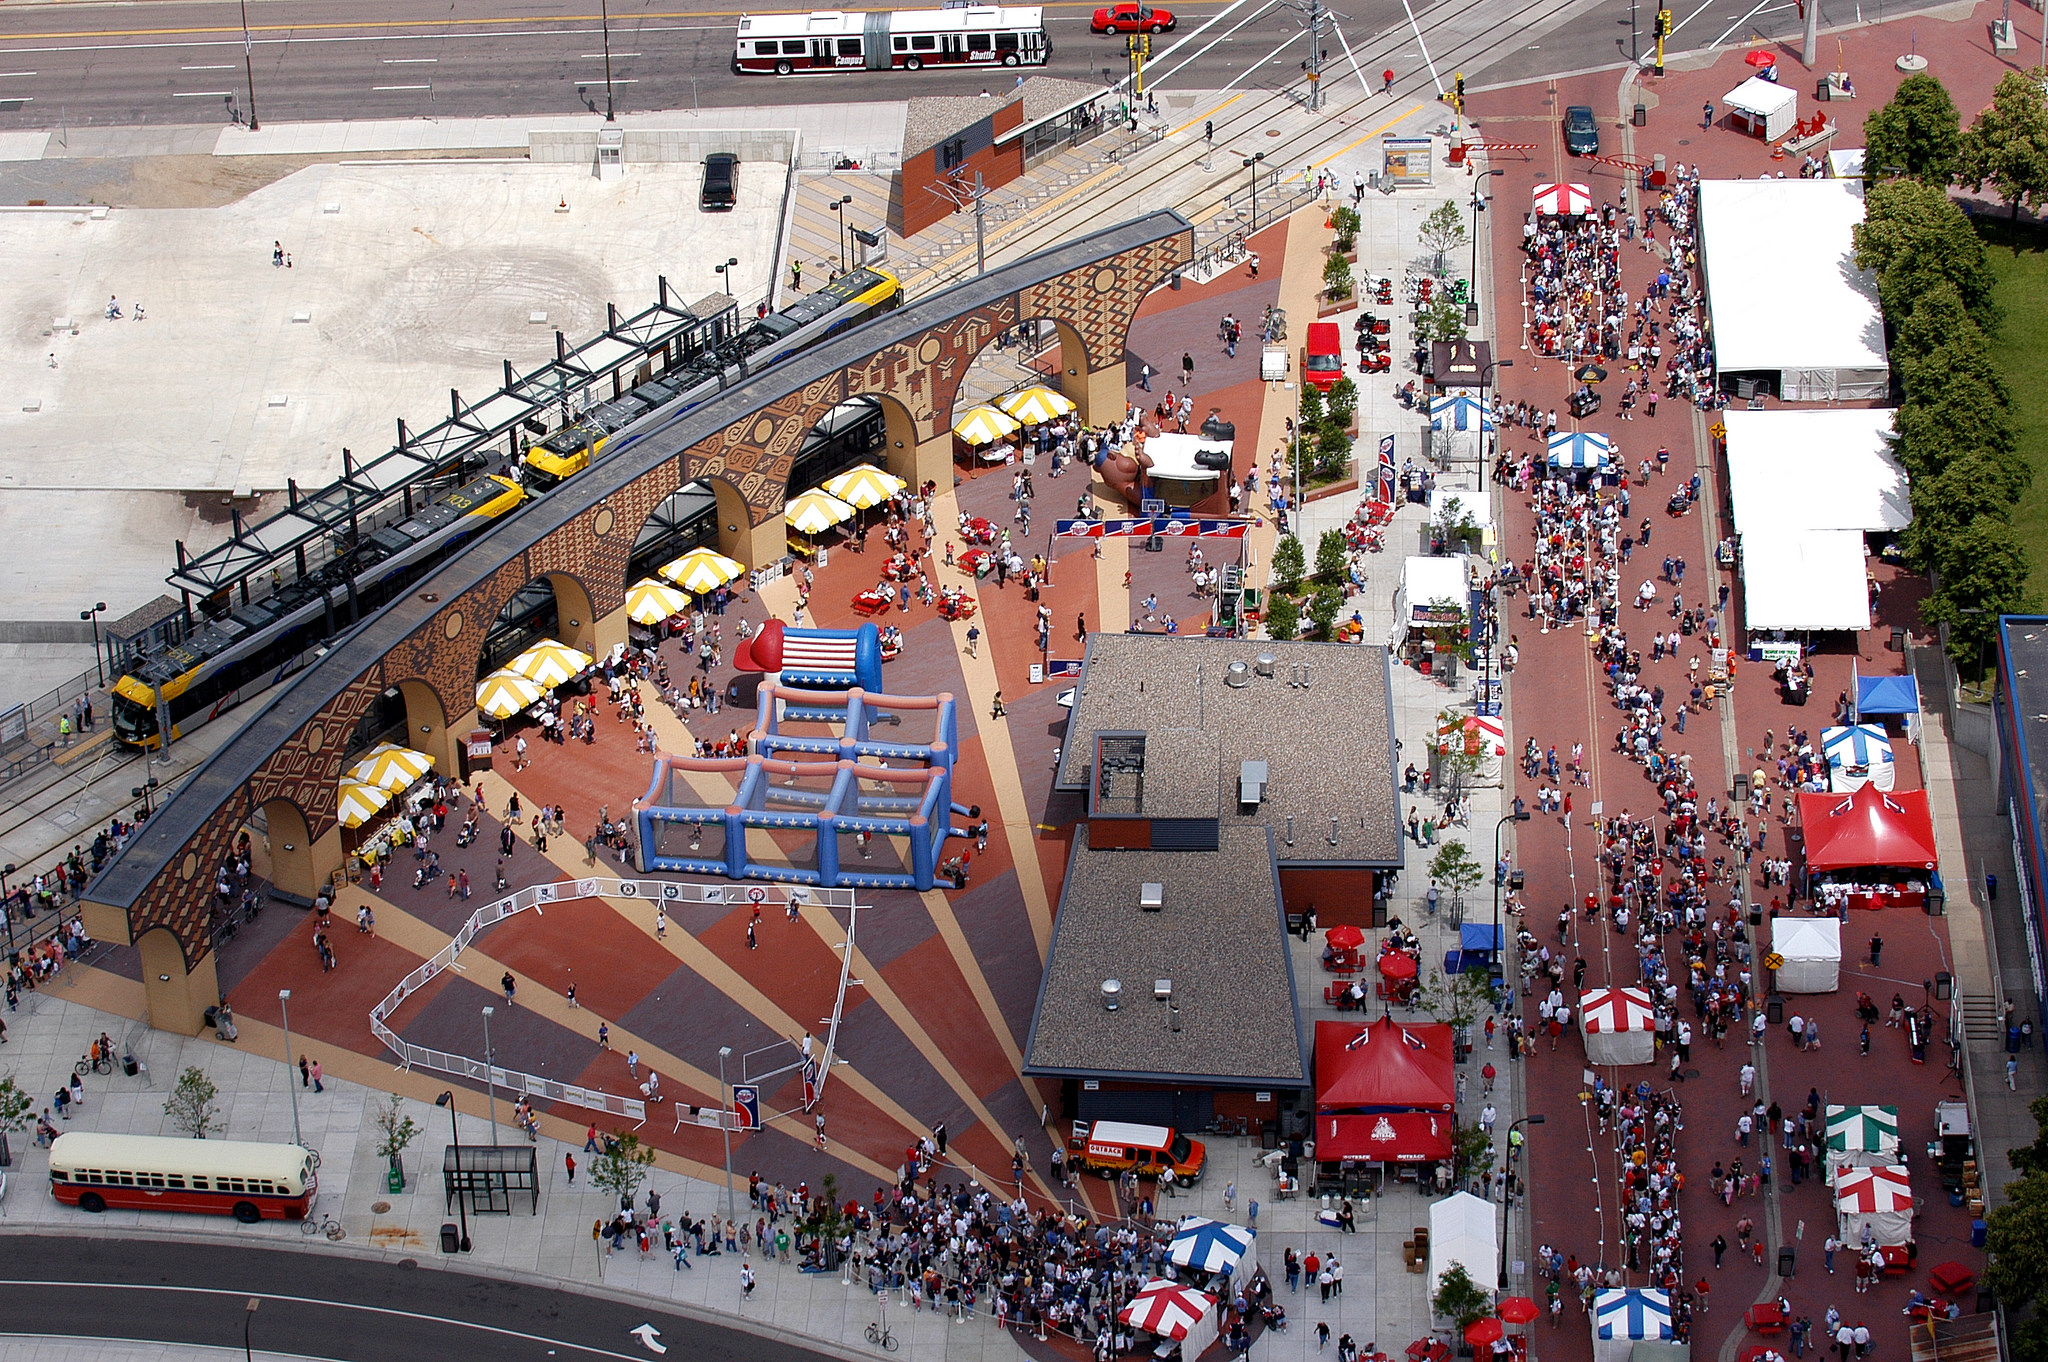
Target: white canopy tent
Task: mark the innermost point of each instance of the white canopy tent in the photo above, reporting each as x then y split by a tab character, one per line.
1424	580
1805	580
1461	1230
1830	469
1858	755
1763	108
1880	1197
1619	1026
1469	505
1812	951
1861	1137
1784	295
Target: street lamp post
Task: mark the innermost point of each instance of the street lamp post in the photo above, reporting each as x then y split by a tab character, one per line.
839	208
725	277
1251	163
604	18
447	1099
1508	1221
248	1317
7	902
249	65
284	999
1479	197
490	1073
725	1124
1483	373
1499	877
99	661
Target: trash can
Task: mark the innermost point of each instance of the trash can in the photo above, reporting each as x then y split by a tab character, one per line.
451	1238
1642	115
1978	1229
394	1181
1774	1009
1785	1257
1824	90
129	1065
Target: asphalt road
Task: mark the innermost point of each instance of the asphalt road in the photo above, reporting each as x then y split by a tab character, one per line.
366	1311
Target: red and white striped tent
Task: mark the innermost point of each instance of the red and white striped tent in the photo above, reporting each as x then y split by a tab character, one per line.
1880	1197
1619	1026
1173	1311
1563	200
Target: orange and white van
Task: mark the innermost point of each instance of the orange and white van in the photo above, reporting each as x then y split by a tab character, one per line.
1112	1147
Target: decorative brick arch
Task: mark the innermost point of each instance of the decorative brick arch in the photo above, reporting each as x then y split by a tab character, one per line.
916	356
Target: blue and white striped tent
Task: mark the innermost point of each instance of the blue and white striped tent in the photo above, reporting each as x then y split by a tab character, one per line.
1209	1245
1623	1318
1464	411
1858	755
1580	450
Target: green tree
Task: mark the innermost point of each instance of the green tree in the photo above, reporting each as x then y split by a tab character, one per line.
1444	321
1472	1151
396	1132
1937	315
1312	408
17	1108
1287	567
1337	278
1973	483
1914	236
1333	560
1454	868
2008	143
1333	454
1455	1000
2018	1242
1460	1299
194	1104
1919	132
623	1165
1932	428
1443	231
1323	609
1283	616
2033	1158
1346	223
1342	402
1981	574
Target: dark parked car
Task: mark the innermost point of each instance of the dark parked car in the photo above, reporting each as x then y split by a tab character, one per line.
1581	133
721	182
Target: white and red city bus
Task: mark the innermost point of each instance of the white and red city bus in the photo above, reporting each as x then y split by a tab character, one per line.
241	1178
885	40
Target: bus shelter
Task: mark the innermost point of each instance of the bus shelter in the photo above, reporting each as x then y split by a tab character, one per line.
488	1175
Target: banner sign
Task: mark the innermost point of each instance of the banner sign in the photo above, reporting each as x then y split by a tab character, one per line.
1161	525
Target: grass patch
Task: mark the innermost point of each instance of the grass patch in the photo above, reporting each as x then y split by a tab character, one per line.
2019	261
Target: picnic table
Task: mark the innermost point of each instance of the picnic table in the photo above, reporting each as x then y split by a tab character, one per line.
870	603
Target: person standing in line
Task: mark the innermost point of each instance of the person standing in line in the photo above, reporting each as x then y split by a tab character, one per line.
569	1166
305	1073
1876	949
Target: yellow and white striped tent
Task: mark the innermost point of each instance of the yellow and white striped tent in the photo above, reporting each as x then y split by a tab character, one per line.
503	694
391	767
549	663
359	803
865	486
1036	404
702	570
984	425
815	512
651	602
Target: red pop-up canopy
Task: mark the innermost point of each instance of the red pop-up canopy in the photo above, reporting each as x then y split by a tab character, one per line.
1384	1066
1871	827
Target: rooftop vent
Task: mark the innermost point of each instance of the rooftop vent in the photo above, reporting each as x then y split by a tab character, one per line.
1237	675
1112	994
1152	897
1264	664
1251	785
1162	989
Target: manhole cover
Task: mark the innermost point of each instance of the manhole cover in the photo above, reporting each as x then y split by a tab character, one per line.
1272	132
408	1262
1685	141
380	1207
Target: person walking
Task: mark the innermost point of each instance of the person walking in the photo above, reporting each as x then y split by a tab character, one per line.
1187	368
316	1071
1387	81
1876	950
1145	372
510	985
974	640
569	1165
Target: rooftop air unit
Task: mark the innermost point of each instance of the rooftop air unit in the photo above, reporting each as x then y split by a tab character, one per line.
1152	897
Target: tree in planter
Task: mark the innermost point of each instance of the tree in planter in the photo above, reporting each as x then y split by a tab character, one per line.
17	1108
1472	1151
1454	867
1333	561
1337	278
1312	408
1459	1299
1456	1000
1457	762
1333	455
824	1221
1323	609
396	1133
194	1104
1445	321
1443	231
1346	223
1342	403
1454	520
1448	637
623	1165
1283	616
1919	132
1287	567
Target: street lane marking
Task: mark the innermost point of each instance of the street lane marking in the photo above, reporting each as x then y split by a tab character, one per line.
200	94
410	61
224	66
11	75
383	88
600	56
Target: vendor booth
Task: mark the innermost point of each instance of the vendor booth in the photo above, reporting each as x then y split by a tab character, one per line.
1434	592
1619	1026
1879	1197
1461	1230
1385	1137
1888	697
1204	1245
1862	1137
1870	849
1185	469
1458	411
1385	1094
1174	1313
1562	200
1624	1318
1858	755
1811	948
1762	108
1479	740
1578	451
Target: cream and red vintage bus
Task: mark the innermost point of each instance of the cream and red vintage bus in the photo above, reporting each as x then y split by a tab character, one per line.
241	1178
885	40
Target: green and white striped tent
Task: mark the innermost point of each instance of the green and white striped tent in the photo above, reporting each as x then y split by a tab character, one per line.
1862	1137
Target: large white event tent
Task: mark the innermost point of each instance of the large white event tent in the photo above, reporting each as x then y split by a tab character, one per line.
1461	1230
1807	486
1811	948
1786	299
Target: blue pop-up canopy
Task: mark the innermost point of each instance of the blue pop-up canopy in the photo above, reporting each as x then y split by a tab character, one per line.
1887	695
1480	936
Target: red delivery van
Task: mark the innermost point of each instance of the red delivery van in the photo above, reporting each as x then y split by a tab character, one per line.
1323	356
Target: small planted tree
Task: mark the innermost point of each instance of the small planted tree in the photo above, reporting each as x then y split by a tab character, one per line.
1337	278
1333	455
1456	1000
1346	223
1333	562
1288	565
1454	868
1443	231
622	1167
17	1108
1283	616
1342	403
396	1132
1312	408
1459	1299
1472	1150
194	1104
1323	609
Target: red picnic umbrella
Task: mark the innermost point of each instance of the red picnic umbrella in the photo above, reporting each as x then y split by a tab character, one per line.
1760	57
1483	1331
1345	937
1517	1310
1397	965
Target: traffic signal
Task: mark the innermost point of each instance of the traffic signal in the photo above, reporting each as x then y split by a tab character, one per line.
1663	23
1461	92
1147	49
1209	130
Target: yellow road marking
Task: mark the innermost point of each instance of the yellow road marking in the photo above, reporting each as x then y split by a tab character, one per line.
1369	136
1211	114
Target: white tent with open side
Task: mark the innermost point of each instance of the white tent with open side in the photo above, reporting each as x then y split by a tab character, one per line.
1762	108
1784	295
1425	581
1858	755
1811	948
1880	1197
1461	1230
1861	1137
1619	1026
